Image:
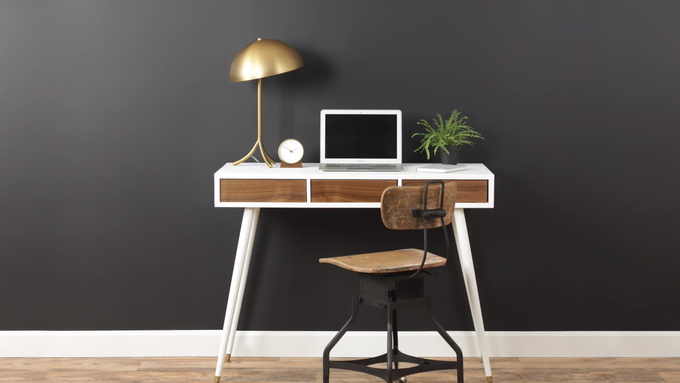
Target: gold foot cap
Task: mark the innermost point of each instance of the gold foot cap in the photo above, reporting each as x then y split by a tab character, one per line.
217	379
228	357
489	379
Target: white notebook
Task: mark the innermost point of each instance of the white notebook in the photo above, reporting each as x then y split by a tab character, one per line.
440	168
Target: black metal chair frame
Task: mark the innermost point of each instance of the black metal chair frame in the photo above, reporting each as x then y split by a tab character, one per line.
391	292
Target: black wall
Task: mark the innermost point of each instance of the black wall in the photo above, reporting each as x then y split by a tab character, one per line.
114	115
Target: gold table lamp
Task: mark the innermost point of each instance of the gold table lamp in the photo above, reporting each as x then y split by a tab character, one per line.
262	58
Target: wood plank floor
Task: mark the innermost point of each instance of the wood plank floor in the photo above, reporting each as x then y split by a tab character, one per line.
190	370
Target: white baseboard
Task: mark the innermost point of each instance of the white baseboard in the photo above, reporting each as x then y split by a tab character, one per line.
312	343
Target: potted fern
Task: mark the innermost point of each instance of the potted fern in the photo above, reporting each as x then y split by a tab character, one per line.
448	136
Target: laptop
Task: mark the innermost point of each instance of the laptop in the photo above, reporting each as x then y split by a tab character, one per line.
360	140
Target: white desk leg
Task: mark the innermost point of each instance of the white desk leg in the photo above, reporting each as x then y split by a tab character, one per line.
465	255
242	288
249	215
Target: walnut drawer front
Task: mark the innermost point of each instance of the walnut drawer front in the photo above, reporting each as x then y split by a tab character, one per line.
468	190
349	190
255	190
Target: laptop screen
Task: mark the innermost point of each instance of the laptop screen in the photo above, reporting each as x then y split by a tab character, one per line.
361	136
349	135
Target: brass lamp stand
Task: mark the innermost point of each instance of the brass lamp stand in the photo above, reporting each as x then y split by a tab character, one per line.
262	58
267	159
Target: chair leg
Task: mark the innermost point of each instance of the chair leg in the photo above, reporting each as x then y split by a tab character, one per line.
336	339
447	338
395	337
390	351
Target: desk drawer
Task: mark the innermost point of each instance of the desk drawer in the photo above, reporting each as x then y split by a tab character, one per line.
236	190
349	190
468	190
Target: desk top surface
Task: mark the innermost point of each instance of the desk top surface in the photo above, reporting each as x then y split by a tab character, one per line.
311	171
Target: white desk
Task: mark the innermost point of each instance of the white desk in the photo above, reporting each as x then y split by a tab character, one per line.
254	186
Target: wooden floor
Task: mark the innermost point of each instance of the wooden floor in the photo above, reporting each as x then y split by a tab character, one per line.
190	370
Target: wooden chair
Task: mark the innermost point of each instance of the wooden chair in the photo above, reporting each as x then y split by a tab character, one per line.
392	280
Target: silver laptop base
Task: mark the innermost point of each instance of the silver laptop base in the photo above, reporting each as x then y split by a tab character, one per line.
361	167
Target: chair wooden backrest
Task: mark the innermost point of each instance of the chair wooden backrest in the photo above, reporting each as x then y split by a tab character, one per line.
399	202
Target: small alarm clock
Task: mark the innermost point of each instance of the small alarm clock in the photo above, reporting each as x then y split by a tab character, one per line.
290	153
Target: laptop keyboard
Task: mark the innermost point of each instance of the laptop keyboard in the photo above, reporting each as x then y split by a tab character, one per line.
362	165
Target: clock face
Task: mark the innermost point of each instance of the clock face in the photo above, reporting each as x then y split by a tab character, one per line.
291	151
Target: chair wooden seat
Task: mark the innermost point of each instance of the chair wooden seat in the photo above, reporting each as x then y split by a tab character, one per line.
385	262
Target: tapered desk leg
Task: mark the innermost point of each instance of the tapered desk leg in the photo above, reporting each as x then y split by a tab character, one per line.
465	255
242	287
245	239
